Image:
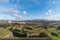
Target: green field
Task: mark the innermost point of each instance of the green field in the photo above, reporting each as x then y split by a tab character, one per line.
52	33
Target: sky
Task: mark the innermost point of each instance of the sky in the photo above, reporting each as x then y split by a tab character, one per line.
29	9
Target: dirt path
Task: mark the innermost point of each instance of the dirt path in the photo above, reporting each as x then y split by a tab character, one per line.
9	35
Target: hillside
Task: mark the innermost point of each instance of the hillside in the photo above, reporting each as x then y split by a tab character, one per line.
38	29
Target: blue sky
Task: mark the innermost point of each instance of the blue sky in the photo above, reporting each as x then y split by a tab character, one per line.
29	9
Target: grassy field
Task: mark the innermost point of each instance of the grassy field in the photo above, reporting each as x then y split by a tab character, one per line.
3	32
51	32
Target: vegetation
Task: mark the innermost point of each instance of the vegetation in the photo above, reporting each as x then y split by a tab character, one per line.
29	28
58	28
26	30
54	34
4	32
18	33
43	34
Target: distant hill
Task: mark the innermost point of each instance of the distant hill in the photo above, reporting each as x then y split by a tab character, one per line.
31	21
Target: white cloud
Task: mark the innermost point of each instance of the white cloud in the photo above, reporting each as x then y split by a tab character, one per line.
24	12
2	17
51	15
47	13
53	2
11	10
54	17
50	10
4	10
16	15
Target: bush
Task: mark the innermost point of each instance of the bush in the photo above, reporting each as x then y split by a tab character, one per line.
54	34
16	30
11	29
29	28
45	27
18	33
58	28
59	32
43	34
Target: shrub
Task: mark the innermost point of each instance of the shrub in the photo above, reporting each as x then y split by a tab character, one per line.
45	27
16	30
59	32
58	28
54	34
43	34
29	28
18	33
11	29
